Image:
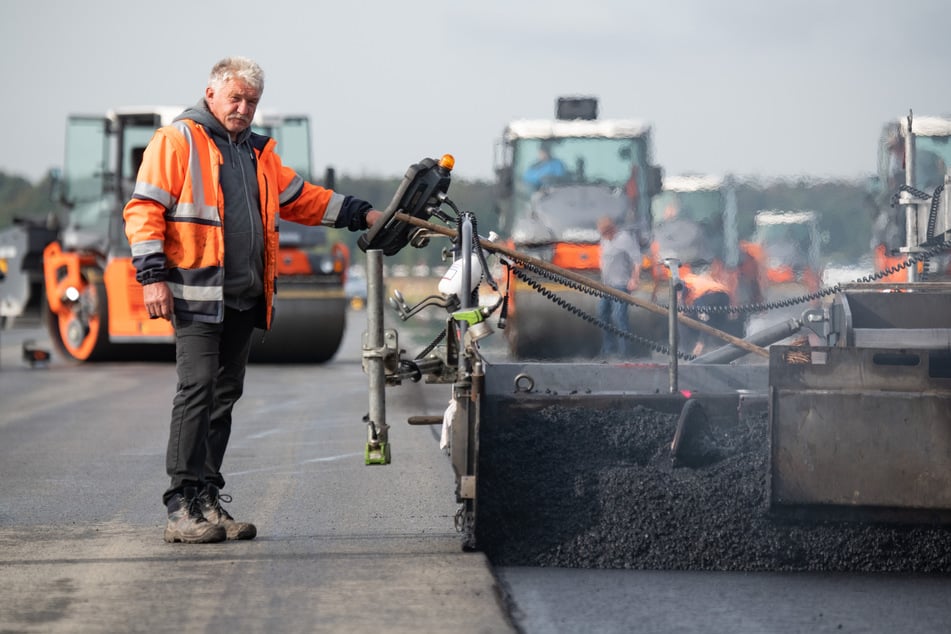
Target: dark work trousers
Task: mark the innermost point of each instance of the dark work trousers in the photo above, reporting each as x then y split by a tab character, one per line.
614	312
210	360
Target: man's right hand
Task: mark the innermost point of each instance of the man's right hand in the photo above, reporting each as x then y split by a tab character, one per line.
158	300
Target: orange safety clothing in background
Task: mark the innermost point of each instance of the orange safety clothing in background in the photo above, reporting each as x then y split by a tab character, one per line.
699	285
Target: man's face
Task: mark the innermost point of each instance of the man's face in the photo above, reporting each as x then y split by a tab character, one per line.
233	105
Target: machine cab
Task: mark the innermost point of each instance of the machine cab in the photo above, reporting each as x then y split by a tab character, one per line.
103	155
925	169
791	243
292	133
694	220
556	177
931	148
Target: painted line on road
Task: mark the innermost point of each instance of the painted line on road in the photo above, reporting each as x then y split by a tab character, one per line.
266	432
332	458
302	462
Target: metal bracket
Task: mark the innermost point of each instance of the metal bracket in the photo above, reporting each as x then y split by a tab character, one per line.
389	353
826	322
467	487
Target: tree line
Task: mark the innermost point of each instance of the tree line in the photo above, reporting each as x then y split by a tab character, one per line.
845	208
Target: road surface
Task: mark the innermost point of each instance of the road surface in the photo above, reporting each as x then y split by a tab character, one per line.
342	547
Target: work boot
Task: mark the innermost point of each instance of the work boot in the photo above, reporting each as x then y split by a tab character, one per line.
210	499
186	523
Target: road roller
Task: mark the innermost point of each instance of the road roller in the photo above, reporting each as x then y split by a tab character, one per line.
556	178
93	305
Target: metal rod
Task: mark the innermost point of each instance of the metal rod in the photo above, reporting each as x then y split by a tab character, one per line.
465	252
673	264
494	247
911	209
375	343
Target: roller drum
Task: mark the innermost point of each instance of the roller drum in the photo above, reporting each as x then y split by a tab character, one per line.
308	325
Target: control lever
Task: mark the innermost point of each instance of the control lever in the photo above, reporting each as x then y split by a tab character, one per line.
397	301
421	192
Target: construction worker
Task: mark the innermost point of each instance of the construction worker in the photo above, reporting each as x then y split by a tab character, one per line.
704	291
546	170
621	270
201	223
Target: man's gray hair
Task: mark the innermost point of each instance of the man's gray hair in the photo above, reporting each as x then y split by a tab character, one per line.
247	70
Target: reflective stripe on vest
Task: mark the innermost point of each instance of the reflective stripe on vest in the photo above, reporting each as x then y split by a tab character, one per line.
196	210
333	210
147	248
198	293
292	191
151	192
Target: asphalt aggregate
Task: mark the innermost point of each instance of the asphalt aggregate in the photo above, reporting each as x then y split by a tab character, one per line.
597	488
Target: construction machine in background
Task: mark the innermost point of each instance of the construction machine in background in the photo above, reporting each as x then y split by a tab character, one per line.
790	244
911	169
21	266
93	304
787	247
603	167
694	222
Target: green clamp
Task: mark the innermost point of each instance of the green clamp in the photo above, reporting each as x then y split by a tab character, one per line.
471	316
377	454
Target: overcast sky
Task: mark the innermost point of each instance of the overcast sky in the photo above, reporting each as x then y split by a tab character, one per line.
771	88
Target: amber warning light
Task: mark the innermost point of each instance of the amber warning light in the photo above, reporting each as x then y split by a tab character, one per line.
447	161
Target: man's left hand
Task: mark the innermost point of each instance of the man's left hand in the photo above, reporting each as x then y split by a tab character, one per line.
372	216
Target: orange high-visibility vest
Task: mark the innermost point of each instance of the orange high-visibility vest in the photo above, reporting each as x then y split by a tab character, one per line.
696	286
177	209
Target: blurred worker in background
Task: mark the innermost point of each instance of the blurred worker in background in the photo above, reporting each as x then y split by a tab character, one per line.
546	169
621	270
201	223
709	298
